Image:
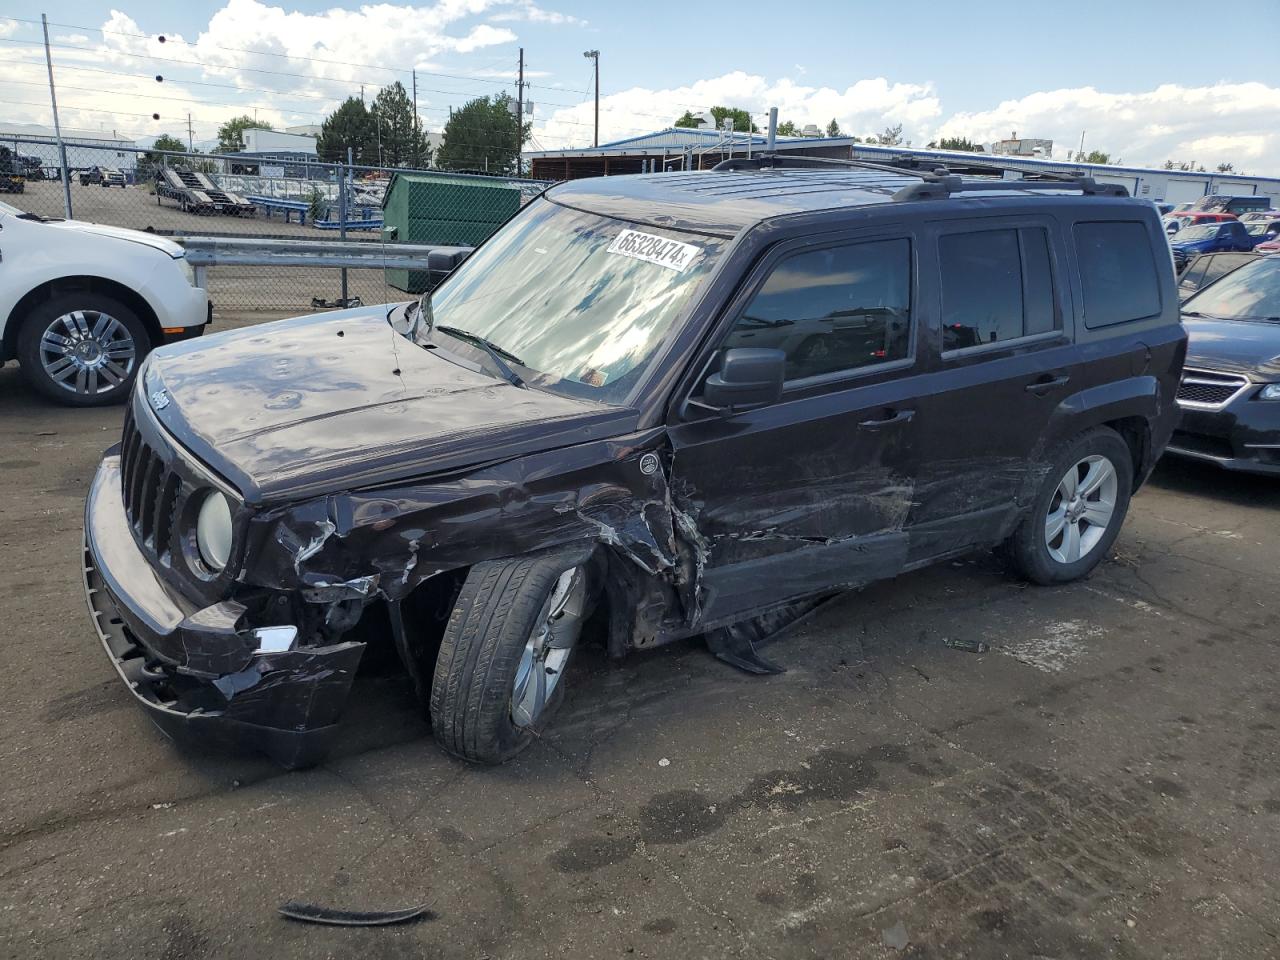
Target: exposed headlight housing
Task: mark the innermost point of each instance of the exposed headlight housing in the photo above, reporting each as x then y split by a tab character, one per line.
1270	392
188	270
213	530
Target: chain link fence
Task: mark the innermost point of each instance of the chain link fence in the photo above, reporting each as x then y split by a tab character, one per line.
285	197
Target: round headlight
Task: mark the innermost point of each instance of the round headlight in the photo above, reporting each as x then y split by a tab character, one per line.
213	530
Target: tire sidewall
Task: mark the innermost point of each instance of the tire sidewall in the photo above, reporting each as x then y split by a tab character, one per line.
39	318
1033	552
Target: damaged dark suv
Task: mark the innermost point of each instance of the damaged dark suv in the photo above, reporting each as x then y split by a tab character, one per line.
675	405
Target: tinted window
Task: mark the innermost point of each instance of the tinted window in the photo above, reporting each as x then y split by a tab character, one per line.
1117	272
996	285
839	308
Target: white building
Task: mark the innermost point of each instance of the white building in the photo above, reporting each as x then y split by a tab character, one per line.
268	143
85	148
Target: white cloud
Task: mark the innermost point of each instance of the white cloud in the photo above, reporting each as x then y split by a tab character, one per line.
1232	122
531	12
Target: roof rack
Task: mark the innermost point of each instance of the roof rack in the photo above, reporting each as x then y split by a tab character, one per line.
937	181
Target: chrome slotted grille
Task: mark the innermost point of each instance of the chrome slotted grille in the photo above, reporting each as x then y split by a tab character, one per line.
1209	390
151	490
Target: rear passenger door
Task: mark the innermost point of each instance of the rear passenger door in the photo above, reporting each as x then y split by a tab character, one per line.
1002	359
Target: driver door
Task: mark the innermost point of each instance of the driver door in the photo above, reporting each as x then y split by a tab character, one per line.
810	493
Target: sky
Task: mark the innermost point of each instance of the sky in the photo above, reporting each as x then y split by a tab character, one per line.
1143	81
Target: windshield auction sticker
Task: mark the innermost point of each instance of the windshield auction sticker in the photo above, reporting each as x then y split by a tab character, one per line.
671	254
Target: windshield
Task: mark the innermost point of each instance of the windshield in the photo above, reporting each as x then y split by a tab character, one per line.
577	303
1250	293
1203	232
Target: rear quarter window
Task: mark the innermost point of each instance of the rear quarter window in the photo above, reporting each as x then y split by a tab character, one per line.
1117	272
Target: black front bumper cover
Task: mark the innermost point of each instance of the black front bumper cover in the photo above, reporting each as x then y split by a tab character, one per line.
196	672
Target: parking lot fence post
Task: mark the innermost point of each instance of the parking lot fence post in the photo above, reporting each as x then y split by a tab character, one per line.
342	213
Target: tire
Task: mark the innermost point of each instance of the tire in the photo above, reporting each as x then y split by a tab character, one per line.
488	647
1045	559
92	375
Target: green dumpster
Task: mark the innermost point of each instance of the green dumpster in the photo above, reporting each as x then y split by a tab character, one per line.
445	210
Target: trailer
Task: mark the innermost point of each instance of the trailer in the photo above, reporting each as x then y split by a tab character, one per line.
196	193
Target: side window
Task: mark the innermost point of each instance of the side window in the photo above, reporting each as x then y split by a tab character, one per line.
1195	275
838	308
1117	272
997	285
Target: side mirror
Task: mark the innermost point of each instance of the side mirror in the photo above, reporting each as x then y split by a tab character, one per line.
445	261
749	377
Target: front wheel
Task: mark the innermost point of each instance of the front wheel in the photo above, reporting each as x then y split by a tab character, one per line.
499	675
82	349
1078	510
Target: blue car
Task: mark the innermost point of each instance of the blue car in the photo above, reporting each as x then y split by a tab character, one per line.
1190	242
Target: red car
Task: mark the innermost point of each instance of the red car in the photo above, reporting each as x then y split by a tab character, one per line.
1269	246
1177	221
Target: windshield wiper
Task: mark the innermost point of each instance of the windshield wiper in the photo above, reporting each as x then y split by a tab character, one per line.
495	352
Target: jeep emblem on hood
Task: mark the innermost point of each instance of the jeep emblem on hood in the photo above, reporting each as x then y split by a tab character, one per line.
160	399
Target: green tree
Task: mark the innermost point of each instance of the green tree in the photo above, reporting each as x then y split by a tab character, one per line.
483	135
741	119
231	133
833	128
1093	156
398	133
788	129
958	143
1226	167
891	137
153	160
352	126
1169	164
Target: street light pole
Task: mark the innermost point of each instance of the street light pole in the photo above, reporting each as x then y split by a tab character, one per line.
594	55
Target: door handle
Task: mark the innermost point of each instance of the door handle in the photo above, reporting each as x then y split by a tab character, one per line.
1041	387
901	416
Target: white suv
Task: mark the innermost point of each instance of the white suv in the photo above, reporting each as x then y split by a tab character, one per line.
81	304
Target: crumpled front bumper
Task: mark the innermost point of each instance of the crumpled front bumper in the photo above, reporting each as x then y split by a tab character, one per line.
198	672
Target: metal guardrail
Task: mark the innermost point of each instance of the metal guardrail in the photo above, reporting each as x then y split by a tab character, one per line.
205	252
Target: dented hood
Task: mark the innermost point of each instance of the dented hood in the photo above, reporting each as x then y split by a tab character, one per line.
332	401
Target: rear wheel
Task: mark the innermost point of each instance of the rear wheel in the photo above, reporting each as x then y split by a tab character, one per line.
82	349
499	675
1078	510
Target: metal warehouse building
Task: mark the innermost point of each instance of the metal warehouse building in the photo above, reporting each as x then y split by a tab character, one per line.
85	148
680	148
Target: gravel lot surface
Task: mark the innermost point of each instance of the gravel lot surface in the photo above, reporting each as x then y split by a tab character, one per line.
1102	783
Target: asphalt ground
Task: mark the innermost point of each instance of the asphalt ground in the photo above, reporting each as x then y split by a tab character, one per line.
1101	783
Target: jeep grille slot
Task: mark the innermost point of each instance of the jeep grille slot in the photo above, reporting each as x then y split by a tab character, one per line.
151	491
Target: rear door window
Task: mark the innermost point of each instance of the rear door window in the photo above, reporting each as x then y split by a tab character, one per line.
997	285
1117	272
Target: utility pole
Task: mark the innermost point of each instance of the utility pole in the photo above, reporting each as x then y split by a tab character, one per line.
190	142
57	127
773	129
417	132
1080	152
595	55
520	114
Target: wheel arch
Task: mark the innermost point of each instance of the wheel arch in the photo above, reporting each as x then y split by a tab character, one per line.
72	284
1127	406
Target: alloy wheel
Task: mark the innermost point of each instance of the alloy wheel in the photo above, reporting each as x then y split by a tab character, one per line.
88	352
547	652
1081	509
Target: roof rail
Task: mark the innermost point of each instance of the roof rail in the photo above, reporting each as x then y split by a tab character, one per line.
937	181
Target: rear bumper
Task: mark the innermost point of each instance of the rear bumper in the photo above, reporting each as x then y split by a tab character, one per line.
197	672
